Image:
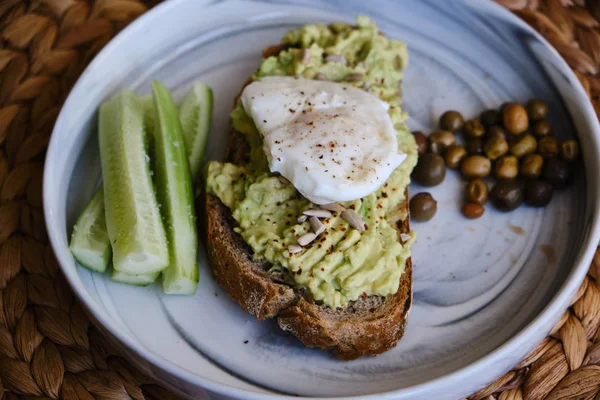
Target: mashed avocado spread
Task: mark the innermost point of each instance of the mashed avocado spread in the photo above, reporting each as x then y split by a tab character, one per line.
342	264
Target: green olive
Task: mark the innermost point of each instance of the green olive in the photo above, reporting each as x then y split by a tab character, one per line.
496	131
515	118
430	170
507	168
454	155
556	172
548	147
506	195
474	129
452	121
537	109
538	193
524	145
474	146
475	167
541	128
477	191
490	117
440	140
421	140
531	166
569	150
495	147
422	207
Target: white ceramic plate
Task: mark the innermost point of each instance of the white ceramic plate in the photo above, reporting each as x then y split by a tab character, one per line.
485	291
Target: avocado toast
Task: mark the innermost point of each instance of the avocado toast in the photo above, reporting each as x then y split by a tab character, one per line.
349	290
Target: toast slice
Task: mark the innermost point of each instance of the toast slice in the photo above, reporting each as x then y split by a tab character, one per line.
368	326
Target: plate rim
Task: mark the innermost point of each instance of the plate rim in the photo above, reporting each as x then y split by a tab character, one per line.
558	303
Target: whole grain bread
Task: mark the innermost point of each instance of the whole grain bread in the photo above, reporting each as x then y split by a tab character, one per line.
368	326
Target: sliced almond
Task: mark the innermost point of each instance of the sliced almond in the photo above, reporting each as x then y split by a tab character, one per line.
305	56
316	225
317	213
337	207
354	220
306	239
302	218
336	58
405	237
294	248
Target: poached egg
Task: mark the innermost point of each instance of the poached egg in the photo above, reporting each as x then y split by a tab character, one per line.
333	142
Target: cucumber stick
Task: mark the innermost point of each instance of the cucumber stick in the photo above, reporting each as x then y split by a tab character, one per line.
195	114
133	219
136	280
90	244
175	194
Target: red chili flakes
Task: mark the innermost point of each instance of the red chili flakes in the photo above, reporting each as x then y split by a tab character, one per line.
352	207
319	246
379	206
343	229
299	271
293	231
322	269
364	294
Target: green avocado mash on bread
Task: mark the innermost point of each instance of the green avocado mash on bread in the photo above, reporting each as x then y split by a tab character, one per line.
342	264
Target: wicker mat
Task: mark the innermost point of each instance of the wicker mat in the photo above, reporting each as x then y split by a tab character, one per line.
48	348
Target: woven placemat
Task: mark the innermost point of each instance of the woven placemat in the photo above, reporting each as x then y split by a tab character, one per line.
49	349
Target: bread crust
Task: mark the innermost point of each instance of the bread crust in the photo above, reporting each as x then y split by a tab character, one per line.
368	326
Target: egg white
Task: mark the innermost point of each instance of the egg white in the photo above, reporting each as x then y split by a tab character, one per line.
333	142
